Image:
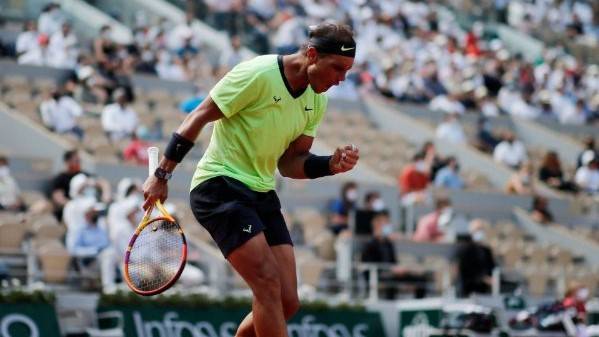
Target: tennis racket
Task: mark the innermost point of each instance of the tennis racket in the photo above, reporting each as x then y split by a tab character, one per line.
157	251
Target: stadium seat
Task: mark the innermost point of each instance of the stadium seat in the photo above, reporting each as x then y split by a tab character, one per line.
11	236
54	262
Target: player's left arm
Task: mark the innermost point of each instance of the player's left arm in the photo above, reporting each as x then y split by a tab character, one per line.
292	163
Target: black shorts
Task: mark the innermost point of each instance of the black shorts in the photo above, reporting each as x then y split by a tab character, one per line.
233	214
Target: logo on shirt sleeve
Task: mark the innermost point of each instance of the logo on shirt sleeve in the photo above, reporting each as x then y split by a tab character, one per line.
276	99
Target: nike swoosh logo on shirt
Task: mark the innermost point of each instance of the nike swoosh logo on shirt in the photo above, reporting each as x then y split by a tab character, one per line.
346	49
307	109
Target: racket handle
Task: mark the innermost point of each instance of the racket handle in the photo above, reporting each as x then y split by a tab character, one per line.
152	160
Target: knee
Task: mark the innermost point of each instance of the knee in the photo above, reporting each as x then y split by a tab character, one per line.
266	283
291	305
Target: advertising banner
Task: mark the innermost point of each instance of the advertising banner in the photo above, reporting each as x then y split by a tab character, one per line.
28	320
154	321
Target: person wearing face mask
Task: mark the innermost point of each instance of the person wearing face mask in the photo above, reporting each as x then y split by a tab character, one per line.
430	227
475	262
83	190
373	204
340	208
10	198
380	249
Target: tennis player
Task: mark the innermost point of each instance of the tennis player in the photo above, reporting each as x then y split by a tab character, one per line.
266	112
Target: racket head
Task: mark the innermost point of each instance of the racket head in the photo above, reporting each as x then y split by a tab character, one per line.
156	254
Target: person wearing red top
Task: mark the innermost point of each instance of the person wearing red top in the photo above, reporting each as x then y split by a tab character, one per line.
429	228
415	176
137	150
576	298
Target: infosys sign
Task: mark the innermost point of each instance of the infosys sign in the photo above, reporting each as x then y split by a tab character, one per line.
28	320
164	322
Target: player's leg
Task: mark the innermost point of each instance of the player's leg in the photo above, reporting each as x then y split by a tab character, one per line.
256	264
277	236
287	272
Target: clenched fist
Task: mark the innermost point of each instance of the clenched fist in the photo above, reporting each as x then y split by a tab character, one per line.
344	159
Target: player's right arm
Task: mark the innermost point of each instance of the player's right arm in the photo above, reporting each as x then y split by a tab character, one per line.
206	112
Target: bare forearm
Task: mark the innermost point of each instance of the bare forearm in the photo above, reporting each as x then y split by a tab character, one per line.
292	166
192	125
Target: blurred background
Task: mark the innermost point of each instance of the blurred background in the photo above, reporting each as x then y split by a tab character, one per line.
474	210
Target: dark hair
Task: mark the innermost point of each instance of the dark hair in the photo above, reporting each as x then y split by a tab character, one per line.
332	31
441	202
69	155
371	196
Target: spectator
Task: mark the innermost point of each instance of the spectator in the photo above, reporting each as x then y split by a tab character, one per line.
60	112
85	192
451	130
230	57
373	202
50	19
485	140
475	262
10	194
340	208
118	119
290	32
510	152
448	104
448	176
540	211
63	45
137	150
433	161
40	55
589	145
92	239
576	297
380	249
414	179
522	182
430	227
577	115
587	176
27	39
60	184
187	49
551	173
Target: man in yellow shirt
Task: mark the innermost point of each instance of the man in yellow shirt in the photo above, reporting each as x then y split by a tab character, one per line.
266	112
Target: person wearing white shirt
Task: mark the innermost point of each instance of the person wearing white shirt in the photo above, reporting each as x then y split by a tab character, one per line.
118	120
63	45
587	176
10	194
27	39
574	115
448	104
50	19
523	108
510	152
233	55
39	55
451	130
60	113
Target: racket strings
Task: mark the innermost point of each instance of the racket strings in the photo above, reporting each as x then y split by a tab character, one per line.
156	255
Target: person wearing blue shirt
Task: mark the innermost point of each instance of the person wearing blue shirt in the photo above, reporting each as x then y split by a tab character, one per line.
448	176
91	239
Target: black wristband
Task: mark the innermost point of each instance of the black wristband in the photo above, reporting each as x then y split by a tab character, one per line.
317	166
177	148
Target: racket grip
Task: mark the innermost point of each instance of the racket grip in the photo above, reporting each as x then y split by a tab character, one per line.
152	160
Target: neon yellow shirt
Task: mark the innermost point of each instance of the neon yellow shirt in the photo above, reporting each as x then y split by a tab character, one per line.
262	117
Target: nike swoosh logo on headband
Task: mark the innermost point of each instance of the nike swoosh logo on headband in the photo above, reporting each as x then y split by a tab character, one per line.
346	49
